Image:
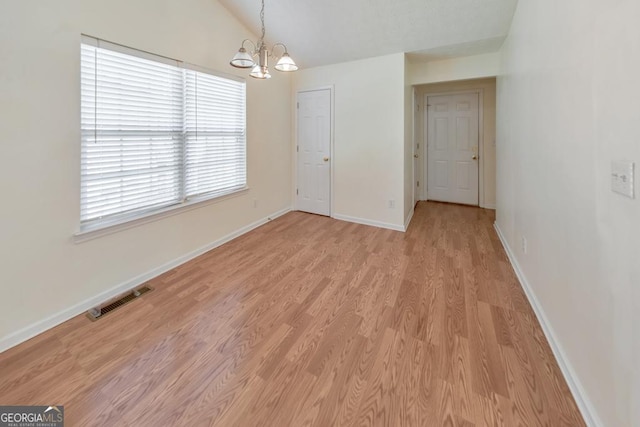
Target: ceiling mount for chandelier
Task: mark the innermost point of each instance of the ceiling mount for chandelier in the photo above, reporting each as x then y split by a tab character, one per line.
260	69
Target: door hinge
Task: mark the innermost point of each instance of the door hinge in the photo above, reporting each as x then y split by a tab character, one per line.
297	105
418	183
418	146
296	191
297	148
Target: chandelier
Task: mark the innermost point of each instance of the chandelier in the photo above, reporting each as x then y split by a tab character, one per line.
260	69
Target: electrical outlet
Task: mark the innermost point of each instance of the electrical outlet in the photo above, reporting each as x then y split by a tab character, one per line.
524	245
392	204
622	178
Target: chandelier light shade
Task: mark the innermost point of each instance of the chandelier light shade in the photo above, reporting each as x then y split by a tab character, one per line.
259	72
242	59
260	51
285	63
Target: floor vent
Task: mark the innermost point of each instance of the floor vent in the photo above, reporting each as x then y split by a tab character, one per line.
99	312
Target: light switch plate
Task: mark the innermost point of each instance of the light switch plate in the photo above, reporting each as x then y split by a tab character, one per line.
622	178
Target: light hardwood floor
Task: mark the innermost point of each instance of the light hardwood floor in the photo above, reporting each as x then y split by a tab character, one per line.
310	321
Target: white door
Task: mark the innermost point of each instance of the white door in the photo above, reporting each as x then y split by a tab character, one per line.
314	152
452	141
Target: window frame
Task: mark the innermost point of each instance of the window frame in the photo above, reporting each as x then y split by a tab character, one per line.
89	229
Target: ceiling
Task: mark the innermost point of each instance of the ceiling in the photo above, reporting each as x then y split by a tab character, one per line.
321	32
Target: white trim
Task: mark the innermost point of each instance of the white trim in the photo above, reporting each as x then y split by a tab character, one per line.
481	147
587	409
415	193
331	89
409	217
489	206
370	222
422	151
43	325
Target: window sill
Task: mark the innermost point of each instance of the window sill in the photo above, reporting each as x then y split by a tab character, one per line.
95	231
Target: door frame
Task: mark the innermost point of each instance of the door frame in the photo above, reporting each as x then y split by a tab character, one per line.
424	152
331	90
415	148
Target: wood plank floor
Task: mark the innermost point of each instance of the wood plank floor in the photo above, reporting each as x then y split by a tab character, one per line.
310	321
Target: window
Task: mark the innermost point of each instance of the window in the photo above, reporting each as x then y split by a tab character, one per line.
156	133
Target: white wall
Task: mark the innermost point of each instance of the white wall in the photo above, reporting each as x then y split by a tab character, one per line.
569	104
42	271
368	160
450	69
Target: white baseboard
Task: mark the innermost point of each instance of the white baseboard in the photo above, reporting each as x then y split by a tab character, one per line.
408	220
373	223
43	325
489	206
587	409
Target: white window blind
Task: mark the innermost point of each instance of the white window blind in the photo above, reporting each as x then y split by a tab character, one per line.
154	134
215	148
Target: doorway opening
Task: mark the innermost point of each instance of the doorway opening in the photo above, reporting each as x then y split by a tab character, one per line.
455	142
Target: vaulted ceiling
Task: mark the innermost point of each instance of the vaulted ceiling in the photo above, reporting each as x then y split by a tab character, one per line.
320	32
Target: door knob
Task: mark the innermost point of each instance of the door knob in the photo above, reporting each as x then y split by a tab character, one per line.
474	157
415	155
326	159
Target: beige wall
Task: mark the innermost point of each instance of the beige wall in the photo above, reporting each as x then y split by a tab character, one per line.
488	87
44	274
568	105
452	69
368	157
409	173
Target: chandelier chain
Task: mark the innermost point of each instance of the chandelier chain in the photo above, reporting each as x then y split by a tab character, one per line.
262	20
